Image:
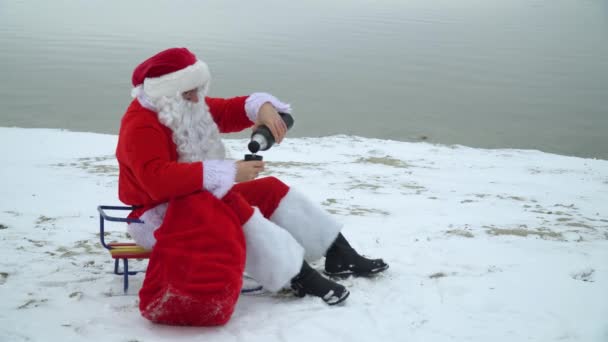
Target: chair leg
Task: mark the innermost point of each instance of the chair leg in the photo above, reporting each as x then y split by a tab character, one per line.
116	266
126	274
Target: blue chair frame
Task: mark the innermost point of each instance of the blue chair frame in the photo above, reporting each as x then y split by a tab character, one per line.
103	216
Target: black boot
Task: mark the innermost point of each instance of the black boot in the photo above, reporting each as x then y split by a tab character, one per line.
341	260
311	282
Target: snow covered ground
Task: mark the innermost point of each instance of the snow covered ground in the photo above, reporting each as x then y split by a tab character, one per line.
484	245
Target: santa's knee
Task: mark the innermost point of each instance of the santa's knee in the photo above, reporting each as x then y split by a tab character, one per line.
273	184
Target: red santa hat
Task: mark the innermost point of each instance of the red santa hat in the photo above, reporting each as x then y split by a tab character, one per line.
170	72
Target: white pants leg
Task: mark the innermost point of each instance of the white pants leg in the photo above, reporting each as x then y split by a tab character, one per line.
274	257
313	227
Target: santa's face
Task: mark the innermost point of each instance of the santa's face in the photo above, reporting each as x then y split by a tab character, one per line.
191	95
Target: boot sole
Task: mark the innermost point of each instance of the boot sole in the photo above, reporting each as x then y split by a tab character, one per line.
346	274
339	300
301	294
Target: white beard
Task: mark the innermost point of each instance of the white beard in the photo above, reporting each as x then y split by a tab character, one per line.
194	132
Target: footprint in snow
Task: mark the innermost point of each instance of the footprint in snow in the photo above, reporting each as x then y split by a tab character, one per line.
585	275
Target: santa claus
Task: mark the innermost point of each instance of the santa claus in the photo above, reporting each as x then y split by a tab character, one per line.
208	219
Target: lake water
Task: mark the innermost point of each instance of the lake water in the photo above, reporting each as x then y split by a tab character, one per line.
483	73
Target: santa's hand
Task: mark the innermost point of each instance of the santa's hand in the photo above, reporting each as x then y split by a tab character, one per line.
248	170
269	116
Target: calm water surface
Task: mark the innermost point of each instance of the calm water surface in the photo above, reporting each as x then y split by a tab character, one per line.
483	73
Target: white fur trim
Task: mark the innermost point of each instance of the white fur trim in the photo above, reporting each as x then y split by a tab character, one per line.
274	257
143	233
218	176
144	101
256	100
136	91
307	222
188	78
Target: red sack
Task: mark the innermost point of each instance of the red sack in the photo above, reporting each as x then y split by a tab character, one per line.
194	275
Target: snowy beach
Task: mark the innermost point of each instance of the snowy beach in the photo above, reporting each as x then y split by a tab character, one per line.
484	245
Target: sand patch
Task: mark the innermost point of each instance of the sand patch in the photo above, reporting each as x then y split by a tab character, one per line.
543	233
386	160
460	232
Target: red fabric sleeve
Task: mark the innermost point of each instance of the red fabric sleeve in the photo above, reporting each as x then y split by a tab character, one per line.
229	114
148	156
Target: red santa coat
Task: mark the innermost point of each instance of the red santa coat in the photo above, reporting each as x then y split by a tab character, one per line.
147	156
195	270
